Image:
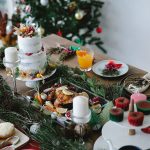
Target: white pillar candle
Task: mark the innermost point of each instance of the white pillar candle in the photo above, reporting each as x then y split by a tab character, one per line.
80	106
11	54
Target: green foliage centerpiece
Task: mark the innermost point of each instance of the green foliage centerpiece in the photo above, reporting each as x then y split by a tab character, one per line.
18	111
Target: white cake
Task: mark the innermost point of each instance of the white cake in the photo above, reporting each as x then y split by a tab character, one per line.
32	57
32	64
29	44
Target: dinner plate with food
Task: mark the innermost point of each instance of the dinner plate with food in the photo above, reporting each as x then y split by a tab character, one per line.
110	68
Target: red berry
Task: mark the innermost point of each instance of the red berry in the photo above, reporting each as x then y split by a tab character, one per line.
99	30
59	33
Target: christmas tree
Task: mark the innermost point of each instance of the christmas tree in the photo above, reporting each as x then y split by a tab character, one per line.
73	19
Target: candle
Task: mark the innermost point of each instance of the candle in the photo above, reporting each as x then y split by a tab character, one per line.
80	108
11	54
138	97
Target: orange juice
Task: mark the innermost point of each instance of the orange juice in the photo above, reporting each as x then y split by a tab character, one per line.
85	59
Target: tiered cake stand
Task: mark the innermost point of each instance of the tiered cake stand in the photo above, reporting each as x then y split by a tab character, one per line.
117	133
34	82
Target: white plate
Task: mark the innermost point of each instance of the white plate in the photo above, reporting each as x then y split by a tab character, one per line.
23	138
99	66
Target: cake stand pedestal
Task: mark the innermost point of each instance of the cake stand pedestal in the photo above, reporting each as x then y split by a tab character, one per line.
117	133
32	83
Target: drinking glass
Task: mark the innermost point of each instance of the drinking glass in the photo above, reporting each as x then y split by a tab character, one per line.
85	59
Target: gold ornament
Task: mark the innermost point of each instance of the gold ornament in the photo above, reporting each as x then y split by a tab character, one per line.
41	31
72	6
79	14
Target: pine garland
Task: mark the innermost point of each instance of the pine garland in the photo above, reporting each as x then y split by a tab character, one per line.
49	136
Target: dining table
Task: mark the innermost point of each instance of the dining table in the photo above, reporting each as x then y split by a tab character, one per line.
52	41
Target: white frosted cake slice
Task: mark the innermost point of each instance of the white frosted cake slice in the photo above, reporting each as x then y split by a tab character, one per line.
29	44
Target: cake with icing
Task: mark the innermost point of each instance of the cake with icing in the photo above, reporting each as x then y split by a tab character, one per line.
32	56
29	44
122	102
116	114
136	118
143	106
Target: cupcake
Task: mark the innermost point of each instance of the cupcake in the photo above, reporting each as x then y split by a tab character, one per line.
122	102
136	118
143	106
116	114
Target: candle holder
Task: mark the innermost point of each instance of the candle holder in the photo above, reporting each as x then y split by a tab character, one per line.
81	121
12	66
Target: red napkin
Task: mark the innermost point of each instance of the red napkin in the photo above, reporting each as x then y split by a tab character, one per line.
112	65
32	145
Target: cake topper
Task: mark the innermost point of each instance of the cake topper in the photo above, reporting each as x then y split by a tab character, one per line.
27	30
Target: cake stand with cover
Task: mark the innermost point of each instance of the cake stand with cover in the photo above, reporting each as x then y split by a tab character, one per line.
117	133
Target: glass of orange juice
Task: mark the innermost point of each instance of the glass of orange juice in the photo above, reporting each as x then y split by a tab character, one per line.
85	59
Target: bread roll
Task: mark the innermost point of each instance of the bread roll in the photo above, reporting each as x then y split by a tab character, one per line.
7	129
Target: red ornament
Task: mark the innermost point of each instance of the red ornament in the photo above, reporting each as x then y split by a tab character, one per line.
59	33
99	30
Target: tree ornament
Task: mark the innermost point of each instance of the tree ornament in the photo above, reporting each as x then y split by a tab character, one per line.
28	9
59	33
99	30
44	2
79	14
41	31
72	6
34	128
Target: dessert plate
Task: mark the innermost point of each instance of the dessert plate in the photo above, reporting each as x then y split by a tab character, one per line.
23	139
100	66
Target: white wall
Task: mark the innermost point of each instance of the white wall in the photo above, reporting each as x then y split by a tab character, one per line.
126	31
